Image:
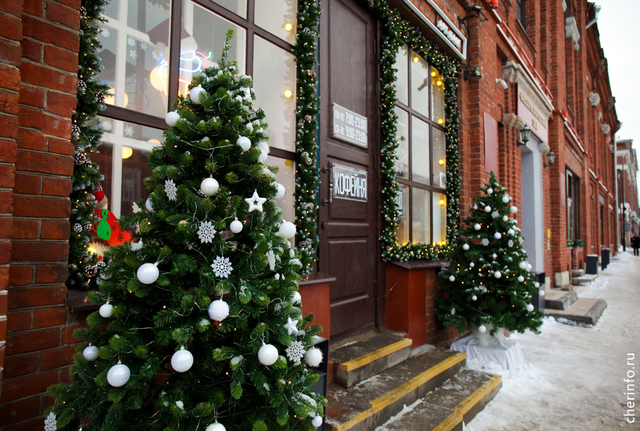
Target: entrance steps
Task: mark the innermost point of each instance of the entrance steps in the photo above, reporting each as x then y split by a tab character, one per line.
566	306
382	380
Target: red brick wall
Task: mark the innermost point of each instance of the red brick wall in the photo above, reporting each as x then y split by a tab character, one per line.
38	81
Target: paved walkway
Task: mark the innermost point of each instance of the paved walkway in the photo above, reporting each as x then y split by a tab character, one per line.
574	377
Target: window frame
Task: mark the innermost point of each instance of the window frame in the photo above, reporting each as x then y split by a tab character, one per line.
573	205
521	12
409	182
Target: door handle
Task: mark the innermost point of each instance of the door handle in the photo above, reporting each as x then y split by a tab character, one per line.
330	171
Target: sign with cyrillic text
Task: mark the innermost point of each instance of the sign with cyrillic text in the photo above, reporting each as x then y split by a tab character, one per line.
349	126
349	183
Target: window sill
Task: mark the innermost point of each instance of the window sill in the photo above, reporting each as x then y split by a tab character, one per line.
422	264
77	301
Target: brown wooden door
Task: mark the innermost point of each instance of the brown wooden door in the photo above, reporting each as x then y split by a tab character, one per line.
349	247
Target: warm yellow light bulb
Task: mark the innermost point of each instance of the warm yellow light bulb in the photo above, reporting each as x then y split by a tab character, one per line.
439	83
442	202
416	59
434	73
441	161
440	121
288	26
288	93
127	152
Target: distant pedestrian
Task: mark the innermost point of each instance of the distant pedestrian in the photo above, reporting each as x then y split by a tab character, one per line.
635	243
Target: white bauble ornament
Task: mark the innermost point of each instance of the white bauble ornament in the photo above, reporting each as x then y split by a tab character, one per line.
541	292
171	118
90	353
494	256
536	284
118	375
182	360
236	226
487	209
475	207
268	354
244	143
520	278
218	310
505	199
522	264
317	421
281	191
296	298
489	191
505	218
148	273
474	298
511	231
209	186
513	209
106	310
465	247
453	311
216	427
497	235
452	278
262	157
471	264
313	357
149	206
497	274
477	226
529	266
529	307
287	229
196	93
482	329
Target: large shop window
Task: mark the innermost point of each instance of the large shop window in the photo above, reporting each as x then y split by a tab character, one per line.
421	164
573	206
136	57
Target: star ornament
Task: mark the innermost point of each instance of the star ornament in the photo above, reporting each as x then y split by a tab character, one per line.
255	202
291	326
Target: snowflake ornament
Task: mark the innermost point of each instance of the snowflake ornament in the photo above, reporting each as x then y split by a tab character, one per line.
485	242
50	422
295	352
206	232
171	190
222	267
291	326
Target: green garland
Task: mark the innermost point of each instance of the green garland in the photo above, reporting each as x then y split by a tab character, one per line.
85	135
397	33
307	108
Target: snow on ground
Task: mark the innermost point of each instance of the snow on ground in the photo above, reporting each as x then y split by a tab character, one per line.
573	377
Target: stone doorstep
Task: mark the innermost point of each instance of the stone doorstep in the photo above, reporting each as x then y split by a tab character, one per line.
578	272
372	402
449	407
559	299
585	310
585	279
367	357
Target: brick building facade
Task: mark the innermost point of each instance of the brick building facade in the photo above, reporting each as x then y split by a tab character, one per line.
533	62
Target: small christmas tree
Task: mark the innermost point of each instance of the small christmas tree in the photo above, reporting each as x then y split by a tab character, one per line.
200	326
489	281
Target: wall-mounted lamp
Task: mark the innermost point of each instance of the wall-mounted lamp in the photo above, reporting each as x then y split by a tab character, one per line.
472	12
524	135
471	71
551	157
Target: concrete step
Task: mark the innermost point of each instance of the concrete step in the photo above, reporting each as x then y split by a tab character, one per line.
559	299
585	279
368	356
372	402
584	311
578	272
449	407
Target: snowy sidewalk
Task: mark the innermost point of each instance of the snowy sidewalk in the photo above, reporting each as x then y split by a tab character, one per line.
574	375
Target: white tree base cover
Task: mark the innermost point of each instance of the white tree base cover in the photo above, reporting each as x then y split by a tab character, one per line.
500	351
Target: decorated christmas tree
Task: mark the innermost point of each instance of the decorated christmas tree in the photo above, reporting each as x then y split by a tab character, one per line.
489	281
200	326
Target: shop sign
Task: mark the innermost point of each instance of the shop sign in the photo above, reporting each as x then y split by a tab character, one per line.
349	126
349	183
531	114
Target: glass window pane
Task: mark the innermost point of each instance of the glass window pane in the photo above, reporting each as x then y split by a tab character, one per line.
103	158
275	88
208	30
402	136
420	80
239	7
134	170
286	177
421	212
111	9
403	231
439	218
402	75
278	17
420	151
145	15
439	167
437	97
